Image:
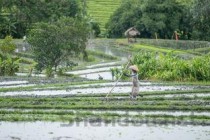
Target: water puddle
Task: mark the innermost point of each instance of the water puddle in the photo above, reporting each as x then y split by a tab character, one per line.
15	86
183	95
100	131
6	83
105	47
34	75
173	113
104	64
88	71
95	76
99	90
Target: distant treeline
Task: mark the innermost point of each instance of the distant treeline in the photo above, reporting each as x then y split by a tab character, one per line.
188	19
165	19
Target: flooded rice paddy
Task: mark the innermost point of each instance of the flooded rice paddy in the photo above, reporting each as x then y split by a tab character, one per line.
35	112
14	84
104	64
103	89
99	131
87	71
121	112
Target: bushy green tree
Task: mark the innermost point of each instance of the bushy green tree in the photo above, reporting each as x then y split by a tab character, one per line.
19	15
126	16
150	17
56	41
201	20
7	45
162	17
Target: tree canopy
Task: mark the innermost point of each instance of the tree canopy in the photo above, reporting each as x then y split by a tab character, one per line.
56	41
17	16
201	20
162	18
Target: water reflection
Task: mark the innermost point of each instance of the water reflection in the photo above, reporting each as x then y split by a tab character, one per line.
106	46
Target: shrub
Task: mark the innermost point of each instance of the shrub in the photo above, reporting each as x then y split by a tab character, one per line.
7	46
8	65
170	67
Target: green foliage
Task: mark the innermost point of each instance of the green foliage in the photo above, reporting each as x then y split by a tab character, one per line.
181	44
8	65
91	58
49	72
101	55
56	41
96	28
116	73
201	20
126	16
7	45
18	16
149	17
146	63
101	10
170	67
162	17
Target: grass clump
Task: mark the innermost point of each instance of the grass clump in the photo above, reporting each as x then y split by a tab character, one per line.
170	67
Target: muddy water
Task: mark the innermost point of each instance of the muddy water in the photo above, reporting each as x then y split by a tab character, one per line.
14	84
105	46
99	131
100	90
34	75
94	76
174	113
104	64
5	83
86	71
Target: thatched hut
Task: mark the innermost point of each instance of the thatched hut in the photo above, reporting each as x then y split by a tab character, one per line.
132	33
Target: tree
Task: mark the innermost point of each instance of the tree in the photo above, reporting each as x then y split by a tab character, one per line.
163	17
201	19
24	13
150	17
56	41
126	16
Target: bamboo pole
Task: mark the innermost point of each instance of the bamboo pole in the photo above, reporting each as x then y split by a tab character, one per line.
117	80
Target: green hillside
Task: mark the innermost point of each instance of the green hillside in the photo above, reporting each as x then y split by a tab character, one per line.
101	10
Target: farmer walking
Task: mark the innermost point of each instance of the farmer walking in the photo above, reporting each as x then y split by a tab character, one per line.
135	87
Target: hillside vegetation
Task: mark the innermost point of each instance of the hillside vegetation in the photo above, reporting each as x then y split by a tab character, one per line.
101	10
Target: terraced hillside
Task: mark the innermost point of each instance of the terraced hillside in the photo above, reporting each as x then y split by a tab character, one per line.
101	10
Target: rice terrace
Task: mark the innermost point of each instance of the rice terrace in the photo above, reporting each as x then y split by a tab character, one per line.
72	77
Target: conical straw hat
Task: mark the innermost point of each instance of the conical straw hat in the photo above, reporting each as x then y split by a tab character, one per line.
134	67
